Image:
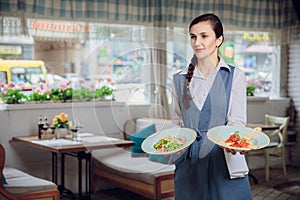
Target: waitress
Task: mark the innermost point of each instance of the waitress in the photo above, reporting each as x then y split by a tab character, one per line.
209	93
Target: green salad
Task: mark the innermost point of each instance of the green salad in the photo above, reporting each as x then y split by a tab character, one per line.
169	143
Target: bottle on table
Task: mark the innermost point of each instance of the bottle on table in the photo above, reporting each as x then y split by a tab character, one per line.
40	126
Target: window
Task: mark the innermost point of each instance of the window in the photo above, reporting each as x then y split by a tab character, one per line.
32	75
248	50
3	76
253	53
122	53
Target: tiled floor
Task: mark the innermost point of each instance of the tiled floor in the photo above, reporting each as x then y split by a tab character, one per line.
260	191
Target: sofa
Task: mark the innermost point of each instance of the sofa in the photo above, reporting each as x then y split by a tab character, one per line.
18	185
138	174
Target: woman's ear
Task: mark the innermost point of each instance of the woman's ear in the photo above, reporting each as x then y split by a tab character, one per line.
219	41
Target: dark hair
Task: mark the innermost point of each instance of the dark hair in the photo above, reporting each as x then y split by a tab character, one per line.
213	19
218	29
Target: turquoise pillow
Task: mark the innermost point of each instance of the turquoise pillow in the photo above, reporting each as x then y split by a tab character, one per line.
138	138
3	179
160	158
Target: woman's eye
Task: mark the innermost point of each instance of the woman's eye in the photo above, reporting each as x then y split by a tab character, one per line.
193	37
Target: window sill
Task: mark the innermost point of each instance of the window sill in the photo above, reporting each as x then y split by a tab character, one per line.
257	99
254	98
33	106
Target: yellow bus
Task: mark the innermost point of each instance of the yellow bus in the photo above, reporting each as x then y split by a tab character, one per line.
30	72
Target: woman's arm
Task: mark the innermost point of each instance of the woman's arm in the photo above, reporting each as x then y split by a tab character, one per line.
237	113
176	113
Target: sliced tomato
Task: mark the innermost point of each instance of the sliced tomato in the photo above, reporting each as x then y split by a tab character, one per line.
161	148
236	141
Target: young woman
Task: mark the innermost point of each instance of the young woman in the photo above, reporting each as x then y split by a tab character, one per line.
209	93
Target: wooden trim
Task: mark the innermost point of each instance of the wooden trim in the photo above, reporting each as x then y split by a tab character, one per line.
163	187
41	194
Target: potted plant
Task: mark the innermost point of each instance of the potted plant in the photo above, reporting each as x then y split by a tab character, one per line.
61	124
250	90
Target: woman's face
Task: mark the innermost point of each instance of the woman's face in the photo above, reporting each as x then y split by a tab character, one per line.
203	40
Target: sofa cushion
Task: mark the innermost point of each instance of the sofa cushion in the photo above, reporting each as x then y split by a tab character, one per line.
119	161
160	158
160	124
138	138
19	182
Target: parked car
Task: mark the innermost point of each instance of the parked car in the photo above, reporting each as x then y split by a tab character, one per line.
30	72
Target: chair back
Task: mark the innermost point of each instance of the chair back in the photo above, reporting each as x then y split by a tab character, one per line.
281	132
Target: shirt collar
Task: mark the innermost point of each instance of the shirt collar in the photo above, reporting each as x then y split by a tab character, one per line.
221	63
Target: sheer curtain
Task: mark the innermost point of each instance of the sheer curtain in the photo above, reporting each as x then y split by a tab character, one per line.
159	70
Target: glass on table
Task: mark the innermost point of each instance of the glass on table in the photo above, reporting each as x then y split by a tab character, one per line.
78	124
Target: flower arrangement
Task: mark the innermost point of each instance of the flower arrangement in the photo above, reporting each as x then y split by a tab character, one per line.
251	84
40	93
104	89
12	93
64	92
61	121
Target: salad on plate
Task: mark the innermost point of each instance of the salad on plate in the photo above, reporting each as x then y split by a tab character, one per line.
169	143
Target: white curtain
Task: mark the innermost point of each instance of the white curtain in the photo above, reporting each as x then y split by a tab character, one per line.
159	71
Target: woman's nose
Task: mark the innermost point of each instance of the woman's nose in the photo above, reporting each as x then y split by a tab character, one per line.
198	41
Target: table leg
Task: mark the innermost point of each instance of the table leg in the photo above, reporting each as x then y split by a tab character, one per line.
88	172
80	176
63	191
62	170
88	179
87	156
54	167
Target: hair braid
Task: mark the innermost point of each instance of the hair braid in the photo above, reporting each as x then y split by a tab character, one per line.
190	73
186	95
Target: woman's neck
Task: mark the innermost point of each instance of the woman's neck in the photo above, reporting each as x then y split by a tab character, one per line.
207	66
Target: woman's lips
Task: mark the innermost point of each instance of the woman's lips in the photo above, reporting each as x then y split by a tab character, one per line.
199	49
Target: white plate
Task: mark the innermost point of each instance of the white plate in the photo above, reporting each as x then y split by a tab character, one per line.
189	135
219	134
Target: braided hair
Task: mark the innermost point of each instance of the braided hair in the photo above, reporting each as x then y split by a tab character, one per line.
218	29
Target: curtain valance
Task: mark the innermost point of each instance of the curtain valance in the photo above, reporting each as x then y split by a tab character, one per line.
257	14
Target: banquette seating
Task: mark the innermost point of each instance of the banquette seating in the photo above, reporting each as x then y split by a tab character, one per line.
138	174
18	185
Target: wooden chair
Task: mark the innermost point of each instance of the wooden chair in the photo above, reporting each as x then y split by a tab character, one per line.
34	188
276	149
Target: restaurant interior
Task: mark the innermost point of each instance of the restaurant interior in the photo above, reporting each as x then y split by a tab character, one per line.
106	76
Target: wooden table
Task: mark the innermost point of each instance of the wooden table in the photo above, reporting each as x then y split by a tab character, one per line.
264	127
80	150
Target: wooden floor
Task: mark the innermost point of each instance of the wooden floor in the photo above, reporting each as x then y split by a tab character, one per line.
266	191
262	190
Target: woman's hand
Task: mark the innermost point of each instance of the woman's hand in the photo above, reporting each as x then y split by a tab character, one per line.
233	152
